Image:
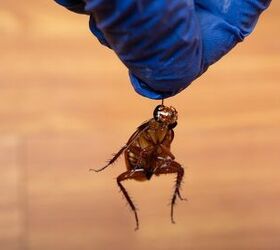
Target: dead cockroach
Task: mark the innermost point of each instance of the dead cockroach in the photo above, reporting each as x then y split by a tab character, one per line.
147	153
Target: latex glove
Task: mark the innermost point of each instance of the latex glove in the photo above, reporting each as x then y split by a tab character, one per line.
166	44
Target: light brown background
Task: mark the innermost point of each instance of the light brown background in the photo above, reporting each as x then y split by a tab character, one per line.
66	104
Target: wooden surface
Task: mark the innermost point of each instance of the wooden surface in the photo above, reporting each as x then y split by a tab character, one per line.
66	104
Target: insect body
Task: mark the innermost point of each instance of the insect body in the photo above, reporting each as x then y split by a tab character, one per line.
147	153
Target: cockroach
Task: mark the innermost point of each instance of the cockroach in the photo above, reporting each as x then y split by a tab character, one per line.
147	153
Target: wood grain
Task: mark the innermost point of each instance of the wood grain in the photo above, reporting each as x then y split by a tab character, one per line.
66	104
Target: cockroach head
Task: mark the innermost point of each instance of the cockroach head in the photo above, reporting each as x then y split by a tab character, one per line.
166	115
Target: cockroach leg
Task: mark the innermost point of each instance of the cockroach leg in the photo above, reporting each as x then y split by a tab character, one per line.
131	174
141	129
111	161
169	168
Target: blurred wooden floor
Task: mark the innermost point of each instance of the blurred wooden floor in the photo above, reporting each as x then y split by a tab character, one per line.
66	104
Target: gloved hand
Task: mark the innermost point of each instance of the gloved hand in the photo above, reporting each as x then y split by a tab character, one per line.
168	44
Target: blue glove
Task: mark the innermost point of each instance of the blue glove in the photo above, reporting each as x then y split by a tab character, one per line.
168	44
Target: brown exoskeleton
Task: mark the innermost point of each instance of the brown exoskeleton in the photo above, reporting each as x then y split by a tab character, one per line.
147	153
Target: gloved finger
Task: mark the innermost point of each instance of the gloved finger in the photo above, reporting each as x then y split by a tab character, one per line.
160	66
159	41
224	23
153	39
